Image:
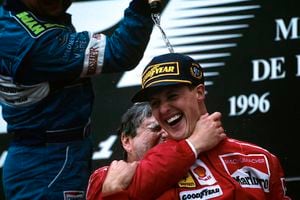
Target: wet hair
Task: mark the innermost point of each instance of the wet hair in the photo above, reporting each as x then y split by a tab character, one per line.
132	119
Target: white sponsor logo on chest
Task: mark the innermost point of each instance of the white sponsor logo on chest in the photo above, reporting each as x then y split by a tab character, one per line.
203	194
251	171
202	173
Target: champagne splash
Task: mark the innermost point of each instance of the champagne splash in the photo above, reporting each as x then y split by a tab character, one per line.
156	20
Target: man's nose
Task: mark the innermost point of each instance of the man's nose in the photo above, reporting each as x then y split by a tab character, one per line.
163	134
164	107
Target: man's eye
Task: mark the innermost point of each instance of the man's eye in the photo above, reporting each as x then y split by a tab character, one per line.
172	96
156	129
153	104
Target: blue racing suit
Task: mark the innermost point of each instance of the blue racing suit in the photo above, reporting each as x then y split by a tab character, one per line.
47	96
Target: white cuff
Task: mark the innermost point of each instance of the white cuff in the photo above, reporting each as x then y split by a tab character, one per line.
94	55
192	147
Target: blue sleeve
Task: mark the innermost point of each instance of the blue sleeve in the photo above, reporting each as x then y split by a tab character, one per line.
126	46
56	56
64	55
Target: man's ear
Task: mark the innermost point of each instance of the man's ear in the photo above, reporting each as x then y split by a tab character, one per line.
126	142
200	90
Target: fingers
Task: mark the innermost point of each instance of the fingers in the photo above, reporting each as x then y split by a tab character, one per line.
117	164
216	116
223	136
208	132
204	116
121	164
133	165
119	176
222	133
213	119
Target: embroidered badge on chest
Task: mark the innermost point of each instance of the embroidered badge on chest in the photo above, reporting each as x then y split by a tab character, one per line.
202	173
74	195
187	182
33	25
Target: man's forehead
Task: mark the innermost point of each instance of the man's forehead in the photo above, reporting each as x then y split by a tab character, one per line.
149	121
164	90
153	125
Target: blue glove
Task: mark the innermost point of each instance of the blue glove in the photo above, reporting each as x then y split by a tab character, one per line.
140	6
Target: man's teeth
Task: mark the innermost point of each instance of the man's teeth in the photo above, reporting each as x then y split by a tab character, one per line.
172	119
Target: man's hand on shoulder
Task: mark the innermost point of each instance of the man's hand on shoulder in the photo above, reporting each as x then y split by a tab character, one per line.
208	132
118	177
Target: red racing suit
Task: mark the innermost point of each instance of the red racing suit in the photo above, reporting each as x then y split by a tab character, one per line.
170	157
233	170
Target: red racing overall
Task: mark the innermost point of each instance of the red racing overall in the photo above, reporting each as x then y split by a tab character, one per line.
233	170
